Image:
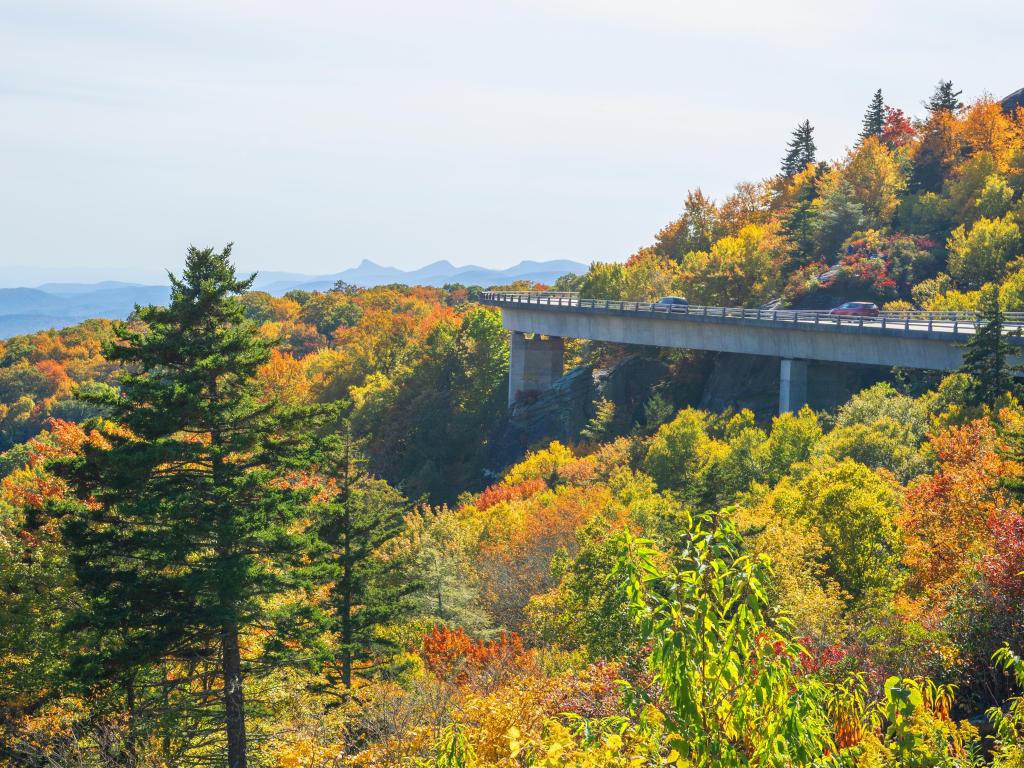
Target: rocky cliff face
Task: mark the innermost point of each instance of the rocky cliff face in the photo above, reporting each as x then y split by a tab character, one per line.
561	412
558	413
713	382
752	382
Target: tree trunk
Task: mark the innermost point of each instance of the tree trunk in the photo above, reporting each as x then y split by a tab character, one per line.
234	703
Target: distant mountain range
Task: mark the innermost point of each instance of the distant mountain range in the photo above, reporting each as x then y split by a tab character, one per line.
57	305
437	274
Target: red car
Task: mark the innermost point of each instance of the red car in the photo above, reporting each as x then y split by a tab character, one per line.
856	309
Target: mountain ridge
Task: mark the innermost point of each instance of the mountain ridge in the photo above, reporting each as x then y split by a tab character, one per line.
60	304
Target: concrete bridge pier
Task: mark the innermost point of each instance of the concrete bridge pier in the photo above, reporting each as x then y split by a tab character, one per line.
792	385
533	363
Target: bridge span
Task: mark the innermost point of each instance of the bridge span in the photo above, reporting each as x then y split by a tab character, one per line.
539	321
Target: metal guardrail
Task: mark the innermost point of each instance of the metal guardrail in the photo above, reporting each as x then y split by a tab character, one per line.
945	322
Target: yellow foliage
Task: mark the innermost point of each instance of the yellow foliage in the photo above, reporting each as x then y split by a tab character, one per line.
540	464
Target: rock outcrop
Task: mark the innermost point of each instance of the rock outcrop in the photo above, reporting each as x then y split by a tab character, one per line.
561	412
1013	102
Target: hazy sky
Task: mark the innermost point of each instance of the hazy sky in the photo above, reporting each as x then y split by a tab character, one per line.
315	134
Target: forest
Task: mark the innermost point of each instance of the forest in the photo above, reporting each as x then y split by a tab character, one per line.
247	530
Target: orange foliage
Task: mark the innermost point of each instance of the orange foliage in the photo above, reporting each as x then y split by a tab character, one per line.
455	657
32	486
283	378
521	536
945	514
986	128
495	494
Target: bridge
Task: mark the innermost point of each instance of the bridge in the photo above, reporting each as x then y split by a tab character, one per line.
539	321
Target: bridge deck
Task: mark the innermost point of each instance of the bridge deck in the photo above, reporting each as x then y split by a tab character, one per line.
931	340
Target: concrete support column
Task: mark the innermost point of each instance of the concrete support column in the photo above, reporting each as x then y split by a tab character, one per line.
792	385
533	364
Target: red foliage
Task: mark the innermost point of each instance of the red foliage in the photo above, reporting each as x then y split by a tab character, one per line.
454	656
897	130
1004	564
496	494
817	659
868	272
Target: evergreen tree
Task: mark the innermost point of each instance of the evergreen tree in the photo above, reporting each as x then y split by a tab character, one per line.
985	355
838	216
945	98
189	529
800	222
874	118
358	517
800	150
602	425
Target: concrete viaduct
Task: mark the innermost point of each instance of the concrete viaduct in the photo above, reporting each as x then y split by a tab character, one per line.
538	323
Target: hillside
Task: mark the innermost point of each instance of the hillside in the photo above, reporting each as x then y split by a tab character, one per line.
307	529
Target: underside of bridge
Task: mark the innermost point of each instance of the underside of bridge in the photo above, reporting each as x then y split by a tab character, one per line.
536	362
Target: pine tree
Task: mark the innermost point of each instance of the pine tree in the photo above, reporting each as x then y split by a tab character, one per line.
359	516
985	355
190	529
601	426
800	222
874	118
945	98
801	150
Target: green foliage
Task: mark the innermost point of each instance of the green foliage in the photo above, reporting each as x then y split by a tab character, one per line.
355	517
839	215
432	438
739	268
1008	751
980	255
1011	292
329	311
853	509
874	118
945	98
800	152
985	354
729	694
601	426
448	591
885	443
681	454
190	532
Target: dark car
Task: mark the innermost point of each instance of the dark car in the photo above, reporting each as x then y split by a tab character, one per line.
856	309
672	301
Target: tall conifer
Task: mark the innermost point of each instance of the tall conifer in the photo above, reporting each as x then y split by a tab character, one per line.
874	118
985	355
190	528
945	99
800	151
356	518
